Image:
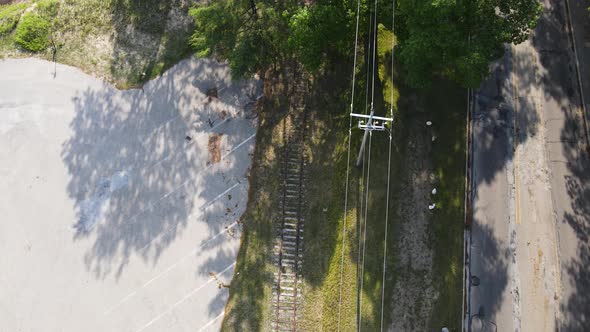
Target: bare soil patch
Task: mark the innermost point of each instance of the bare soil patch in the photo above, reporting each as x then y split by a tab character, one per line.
214	147
414	293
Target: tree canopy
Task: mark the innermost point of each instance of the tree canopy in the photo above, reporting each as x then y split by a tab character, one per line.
456	39
459	38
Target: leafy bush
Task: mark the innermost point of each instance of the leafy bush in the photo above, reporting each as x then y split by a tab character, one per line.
9	16
32	33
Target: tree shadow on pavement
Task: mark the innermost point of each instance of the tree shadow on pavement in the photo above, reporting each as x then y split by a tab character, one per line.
495	110
575	308
561	81
490	280
553	72
210	269
138	162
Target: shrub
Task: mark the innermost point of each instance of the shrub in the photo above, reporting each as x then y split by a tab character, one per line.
9	16
32	33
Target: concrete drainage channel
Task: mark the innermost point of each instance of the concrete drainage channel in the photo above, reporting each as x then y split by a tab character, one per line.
288	251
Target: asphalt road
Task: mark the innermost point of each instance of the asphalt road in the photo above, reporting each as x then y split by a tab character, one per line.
531	190
113	215
572	170
491	302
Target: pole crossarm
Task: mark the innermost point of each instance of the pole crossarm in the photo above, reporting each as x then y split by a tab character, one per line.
366	116
369	126
373	126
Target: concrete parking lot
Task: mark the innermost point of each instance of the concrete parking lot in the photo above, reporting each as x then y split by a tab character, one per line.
119	210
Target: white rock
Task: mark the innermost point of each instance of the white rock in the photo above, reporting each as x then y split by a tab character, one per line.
434	191
429	123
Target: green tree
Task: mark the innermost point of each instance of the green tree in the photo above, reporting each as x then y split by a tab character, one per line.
458	39
253	34
247	33
322	32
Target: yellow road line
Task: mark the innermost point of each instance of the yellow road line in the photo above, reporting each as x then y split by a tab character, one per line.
514	140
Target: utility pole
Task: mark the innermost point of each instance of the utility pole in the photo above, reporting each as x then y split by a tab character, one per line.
373	123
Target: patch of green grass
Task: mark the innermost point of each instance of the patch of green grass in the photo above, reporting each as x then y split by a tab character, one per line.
323	258
375	220
10	15
323	240
323	232
32	33
384	42
48	8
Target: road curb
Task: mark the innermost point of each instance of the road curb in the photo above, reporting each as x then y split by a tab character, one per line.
467	211
572	37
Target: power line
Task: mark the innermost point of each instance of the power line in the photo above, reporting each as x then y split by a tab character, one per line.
374	55
365	232
358	6
362	148
360	237
385	239
360	225
368	123
388	168
368	64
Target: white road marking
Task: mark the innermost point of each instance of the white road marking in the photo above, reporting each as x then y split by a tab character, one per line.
203	208
150	205
184	298
207	167
206	205
169	268
211	321
238	146
169	155
219	124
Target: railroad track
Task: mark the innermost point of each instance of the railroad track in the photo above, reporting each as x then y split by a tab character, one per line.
288	250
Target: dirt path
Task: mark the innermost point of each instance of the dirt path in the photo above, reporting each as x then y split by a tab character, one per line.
414	294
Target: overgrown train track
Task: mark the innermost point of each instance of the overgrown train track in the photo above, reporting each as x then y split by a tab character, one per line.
288	248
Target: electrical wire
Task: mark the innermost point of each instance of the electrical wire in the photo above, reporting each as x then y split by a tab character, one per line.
365	232
385	239
368	64
348	163
360	224
374	54
388	168
360	237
